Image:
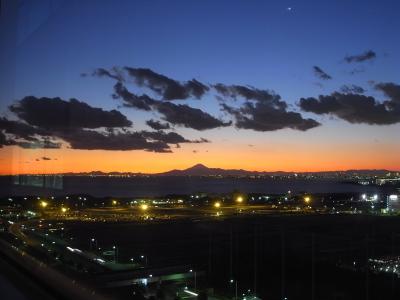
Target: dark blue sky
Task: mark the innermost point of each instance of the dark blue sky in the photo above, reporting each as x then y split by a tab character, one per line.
259	43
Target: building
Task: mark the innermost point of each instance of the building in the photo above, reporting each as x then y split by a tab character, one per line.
393	203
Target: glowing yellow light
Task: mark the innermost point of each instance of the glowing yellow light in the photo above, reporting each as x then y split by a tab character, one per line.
64	209
239	199
307	199
217	204
114	202
144	207
43	204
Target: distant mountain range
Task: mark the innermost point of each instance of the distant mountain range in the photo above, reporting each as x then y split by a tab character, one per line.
202	170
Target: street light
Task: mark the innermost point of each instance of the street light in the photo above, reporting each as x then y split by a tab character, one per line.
144	207
93	243
43	204
239	199
64	210
144	257
195	279
217	204
236	287
114	202
307	199
115	248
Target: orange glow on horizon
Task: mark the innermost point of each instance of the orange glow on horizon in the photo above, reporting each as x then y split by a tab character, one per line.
302	158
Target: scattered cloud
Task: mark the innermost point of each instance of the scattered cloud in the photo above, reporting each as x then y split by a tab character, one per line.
352	88
356	108
45	158
166	87
262	110
176	114
248	93
321	74
391	90
357	71
358	58
189	117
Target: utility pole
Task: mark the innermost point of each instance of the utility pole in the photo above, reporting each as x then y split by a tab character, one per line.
282	263
312	266
255	259
231	254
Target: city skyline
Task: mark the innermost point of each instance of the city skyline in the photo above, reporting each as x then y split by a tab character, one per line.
248	89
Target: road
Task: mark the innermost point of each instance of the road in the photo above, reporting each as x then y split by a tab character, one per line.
15	284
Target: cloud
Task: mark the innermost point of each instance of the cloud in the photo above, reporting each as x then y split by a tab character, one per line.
189	117
367	55
157	125
354	108
248	93
262	110
21	130
357	71
176	114
142	102
170	137
391	90
114	74
263	117
43	158
46	122
352	89
40	143
51	113
84	139
166	87
321	74
16	133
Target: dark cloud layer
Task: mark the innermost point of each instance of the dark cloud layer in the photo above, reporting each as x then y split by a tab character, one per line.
269	112
57	113
356	108
157	125
93	140
262	110
88	128
367	55
320	73
263	117
176	114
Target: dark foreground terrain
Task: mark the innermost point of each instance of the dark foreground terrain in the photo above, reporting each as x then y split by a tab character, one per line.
293	257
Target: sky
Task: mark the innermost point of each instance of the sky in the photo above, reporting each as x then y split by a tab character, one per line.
158	85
